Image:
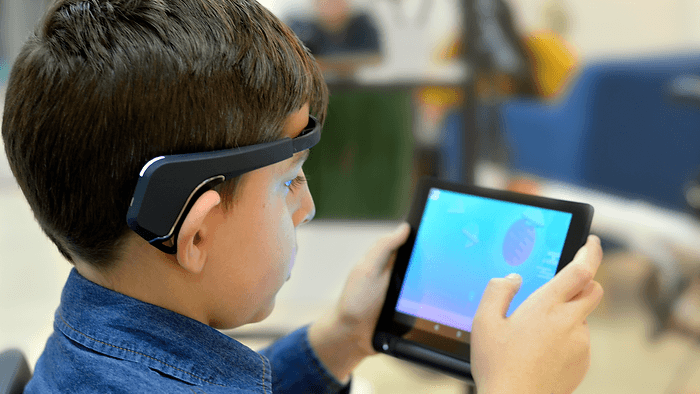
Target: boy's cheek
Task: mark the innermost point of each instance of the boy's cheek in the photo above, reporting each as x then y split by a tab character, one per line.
291	263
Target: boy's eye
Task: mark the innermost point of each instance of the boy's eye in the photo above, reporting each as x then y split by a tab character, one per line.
295	183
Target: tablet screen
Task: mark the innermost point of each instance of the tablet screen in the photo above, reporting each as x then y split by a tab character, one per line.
463	241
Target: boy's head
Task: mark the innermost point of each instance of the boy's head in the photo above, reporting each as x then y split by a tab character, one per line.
106	86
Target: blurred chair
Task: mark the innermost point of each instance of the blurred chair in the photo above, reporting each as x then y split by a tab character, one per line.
617	140
616	130
14	372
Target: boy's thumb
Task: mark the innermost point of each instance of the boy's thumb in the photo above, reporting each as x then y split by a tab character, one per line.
499	294
395	239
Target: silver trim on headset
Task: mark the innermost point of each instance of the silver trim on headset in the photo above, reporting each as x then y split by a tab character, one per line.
196	189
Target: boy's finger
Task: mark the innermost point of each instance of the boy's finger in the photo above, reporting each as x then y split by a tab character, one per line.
398	237
575	276
387	245
499	294
586	301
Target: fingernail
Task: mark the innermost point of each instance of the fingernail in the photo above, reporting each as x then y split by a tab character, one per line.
514	277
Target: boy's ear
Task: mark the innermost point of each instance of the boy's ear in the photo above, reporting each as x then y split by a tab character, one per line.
190	255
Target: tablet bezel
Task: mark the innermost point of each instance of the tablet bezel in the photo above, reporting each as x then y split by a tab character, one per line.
452	356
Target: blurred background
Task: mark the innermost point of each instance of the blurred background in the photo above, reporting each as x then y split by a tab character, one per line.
589	100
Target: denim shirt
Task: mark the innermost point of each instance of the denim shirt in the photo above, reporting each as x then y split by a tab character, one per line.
107	342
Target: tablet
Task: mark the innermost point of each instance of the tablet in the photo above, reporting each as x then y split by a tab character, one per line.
461	237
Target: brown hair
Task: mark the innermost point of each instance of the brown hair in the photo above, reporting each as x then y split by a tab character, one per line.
105	86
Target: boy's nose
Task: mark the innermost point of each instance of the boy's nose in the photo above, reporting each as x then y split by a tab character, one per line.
307	209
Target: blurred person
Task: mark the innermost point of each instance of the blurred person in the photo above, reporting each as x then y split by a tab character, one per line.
347	43
553	63
552	57
509	63
498	58
342	40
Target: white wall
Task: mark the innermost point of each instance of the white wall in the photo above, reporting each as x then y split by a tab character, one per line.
6	177
17	20
604	28
599	28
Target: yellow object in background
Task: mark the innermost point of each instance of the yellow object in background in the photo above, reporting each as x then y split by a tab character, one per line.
435	95
553	61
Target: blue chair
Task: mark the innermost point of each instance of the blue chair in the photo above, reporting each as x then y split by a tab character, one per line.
14	372
616	130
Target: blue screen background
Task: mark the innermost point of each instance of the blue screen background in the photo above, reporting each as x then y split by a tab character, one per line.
464	241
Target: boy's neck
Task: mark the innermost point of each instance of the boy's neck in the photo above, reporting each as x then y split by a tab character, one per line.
146	274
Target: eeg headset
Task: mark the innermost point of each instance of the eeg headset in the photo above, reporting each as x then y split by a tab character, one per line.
168	186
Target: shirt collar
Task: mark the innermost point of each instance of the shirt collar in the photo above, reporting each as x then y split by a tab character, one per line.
123	327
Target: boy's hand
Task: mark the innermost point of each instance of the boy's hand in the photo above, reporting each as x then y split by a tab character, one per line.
344	337
544	346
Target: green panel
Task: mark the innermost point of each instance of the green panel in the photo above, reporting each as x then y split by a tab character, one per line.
361	169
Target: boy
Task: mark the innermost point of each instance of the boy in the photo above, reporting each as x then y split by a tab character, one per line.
110	96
